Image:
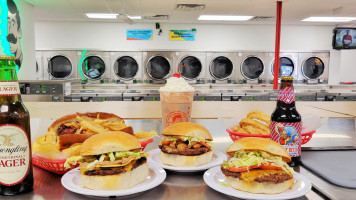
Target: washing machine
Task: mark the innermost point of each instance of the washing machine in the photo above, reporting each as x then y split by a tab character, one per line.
314	67
94	66
39	65
126	67
158	66
191	66
252	67
222	67
59	65
288	65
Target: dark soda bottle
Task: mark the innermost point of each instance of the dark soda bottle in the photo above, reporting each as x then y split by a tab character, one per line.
286	122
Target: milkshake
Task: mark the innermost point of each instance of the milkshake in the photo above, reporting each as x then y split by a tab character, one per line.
176	101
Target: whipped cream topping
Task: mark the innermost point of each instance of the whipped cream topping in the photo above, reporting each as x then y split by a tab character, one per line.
175	84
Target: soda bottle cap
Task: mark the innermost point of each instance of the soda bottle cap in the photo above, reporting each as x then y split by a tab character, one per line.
5	57
287	78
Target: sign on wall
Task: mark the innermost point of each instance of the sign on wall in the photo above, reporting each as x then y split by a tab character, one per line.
182	35
139	34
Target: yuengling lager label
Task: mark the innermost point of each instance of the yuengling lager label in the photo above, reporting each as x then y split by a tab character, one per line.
14	154
9	88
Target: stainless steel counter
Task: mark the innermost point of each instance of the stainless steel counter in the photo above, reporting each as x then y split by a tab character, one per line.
340	132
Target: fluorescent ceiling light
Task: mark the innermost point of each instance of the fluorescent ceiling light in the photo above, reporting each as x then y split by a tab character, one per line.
101	15
134	17
224	17
328	19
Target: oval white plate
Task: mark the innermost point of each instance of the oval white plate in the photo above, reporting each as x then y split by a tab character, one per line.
72	182
217	159
215	179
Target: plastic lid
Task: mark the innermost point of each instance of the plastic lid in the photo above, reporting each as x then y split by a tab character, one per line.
287	78
5	57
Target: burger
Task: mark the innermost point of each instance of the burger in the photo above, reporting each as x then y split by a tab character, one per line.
111	161
258	165
186	144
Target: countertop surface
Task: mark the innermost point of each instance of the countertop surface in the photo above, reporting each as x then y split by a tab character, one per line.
334	132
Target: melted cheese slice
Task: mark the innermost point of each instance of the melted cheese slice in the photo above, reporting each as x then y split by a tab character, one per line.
250	176
128	167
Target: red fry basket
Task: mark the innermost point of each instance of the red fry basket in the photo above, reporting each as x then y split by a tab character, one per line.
57	166
235	136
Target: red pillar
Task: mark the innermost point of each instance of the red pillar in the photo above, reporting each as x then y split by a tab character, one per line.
278	39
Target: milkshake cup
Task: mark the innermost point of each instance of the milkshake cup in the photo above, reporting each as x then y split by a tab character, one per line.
176	101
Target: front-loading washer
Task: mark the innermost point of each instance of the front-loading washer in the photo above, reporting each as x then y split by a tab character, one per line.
158	66
252	67
222	67
94	66
126	67
288	65
190	65
59	65
314	67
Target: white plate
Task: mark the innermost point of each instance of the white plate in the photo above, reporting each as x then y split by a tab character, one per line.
217	159
71	181
215	179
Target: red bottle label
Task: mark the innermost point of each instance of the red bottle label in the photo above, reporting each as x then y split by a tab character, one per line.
288	135
286	95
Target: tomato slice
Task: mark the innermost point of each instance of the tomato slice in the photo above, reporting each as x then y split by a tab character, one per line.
242	169
270	167
205	144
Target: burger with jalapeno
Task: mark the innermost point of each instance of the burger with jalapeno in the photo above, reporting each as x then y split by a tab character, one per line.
111	161
186	144
258	165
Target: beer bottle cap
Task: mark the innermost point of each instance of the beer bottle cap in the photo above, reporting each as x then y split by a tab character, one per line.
287	78
4	57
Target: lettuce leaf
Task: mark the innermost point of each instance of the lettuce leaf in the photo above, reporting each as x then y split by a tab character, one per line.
250	158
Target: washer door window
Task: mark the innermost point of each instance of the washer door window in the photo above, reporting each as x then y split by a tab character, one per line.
286	67
93	67
126	67
59	67
252	67
158	67
313	68
221	67
192	67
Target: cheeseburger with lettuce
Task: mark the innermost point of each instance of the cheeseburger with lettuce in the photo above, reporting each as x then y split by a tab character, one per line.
186	144
111	161
258	165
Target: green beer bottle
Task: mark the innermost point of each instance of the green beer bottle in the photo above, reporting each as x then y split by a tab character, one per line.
16	175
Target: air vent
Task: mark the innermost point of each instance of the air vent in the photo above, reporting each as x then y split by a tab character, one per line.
263	18
156	17
190	7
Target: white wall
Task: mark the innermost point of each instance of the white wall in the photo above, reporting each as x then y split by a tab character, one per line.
112	37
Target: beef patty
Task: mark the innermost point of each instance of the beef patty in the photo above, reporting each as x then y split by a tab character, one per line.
185	152
114	170
273	178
